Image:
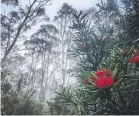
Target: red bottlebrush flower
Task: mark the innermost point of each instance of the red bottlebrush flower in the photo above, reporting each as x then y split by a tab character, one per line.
104	83
99	83
99	73
108	81
86	81
106	72
92	78
83	45
134	59
104	78
98	39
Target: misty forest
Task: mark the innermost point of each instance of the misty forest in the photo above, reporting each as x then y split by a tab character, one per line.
79	62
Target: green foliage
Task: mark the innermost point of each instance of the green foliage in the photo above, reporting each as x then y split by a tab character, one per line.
108	44
13	102
121	98
92	53
98	43
73	98
56	108
15	105
125	19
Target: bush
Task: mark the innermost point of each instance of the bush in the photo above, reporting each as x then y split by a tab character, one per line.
14	103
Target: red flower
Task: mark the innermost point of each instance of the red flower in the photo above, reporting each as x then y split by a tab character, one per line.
83	45
104	83
134	59
108	81
99	73
98	39
99	83
86	81
104	78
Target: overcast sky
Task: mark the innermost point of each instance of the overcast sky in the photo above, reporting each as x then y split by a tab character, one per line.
56	5
52	9
78	4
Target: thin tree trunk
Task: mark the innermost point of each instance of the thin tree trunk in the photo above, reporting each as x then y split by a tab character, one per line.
47	72
42	80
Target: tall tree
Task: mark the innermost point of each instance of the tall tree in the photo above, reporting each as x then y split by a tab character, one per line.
63	20
43	43
17	22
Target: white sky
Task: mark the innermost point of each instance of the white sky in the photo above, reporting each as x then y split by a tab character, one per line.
78	4
52	9
56	5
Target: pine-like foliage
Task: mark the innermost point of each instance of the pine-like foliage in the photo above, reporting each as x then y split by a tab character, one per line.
91	46
114	49
125	16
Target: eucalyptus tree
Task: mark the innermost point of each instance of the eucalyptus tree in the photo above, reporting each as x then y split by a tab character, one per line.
10	2
63	20
43	47
17	22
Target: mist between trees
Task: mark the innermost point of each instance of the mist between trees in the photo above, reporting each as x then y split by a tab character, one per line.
53	66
